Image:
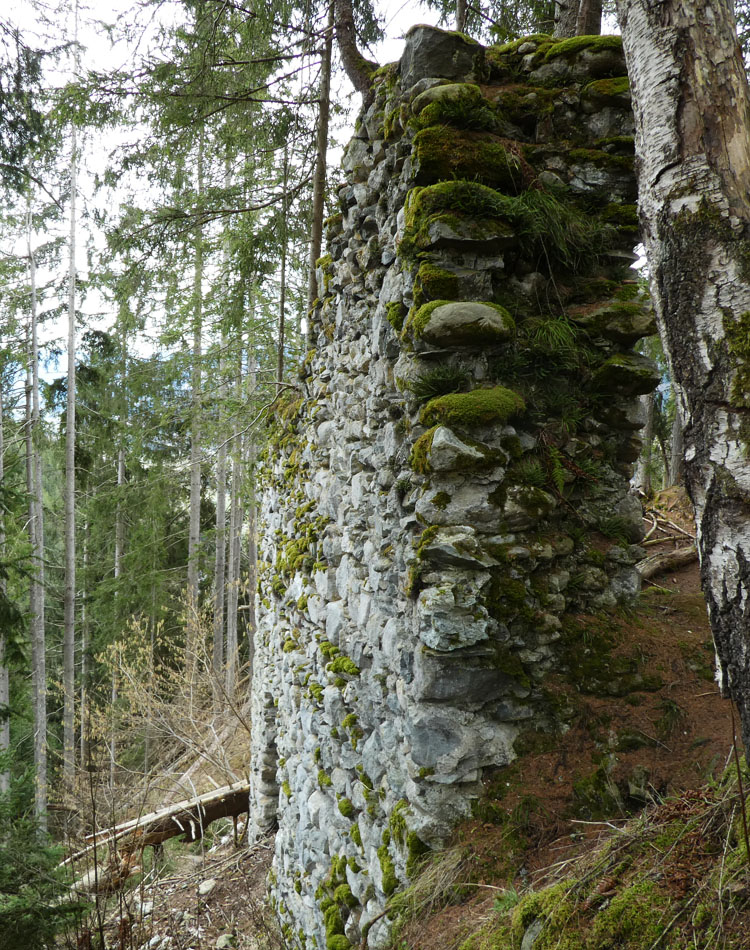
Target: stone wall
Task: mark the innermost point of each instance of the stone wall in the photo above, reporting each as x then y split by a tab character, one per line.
450	482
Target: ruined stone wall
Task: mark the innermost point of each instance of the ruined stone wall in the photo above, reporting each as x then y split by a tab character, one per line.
450	482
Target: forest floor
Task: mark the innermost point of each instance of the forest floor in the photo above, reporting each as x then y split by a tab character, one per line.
198	900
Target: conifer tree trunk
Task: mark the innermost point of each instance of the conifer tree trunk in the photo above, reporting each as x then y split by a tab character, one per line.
282	288
195	437
221	529
235	529
252	536
693	143
70	478
85	640
4	674
36	537
321	152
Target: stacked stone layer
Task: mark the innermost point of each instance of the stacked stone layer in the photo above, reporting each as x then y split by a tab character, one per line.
451	483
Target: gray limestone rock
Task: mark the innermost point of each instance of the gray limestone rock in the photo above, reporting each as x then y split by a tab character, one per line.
467	324
431	52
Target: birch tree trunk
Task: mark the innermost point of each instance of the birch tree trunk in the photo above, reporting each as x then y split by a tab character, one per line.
282	288
252	535
4	675
70	481
693	147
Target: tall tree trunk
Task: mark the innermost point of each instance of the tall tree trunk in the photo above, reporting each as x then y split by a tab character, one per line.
589	18
321	153
85	642
70	482
252	529
193	626
676	464
461	16
4	674
221	528
119	550
235	529
282	287
36	535
693	142
566	18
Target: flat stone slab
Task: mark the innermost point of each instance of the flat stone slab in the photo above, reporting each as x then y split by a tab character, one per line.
467	324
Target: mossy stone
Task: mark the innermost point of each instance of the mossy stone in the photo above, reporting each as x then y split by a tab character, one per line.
444	154
477	408
626	374
463	323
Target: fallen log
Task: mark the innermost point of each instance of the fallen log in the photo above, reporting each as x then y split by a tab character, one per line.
123	842
666	561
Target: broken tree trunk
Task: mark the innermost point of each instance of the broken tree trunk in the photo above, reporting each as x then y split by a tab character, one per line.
666	561
127	840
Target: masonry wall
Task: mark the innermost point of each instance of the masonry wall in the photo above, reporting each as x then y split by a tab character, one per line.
449	484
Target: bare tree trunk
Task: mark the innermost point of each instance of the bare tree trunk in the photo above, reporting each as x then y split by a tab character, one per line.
693	142
36	533
358	69
70	484
221	529
282	288
566	18
119	549
235	529
193	590
589	18
85	640
461	16
4	674
252	536
321	152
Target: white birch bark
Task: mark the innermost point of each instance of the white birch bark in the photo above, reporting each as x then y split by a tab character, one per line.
693	148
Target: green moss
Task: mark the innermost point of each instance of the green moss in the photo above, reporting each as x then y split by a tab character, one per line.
434	283
441	500
356	835
287	789
324	780
461	106
636	917
343	895
342	664
390	881
737	333
600	159
328	649
446	154
333	921
395	312
415	850
606	90
575	44
478	408
397	822
315	691
348	722
420	453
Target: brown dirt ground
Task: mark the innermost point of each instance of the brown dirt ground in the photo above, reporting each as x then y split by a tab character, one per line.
680	733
